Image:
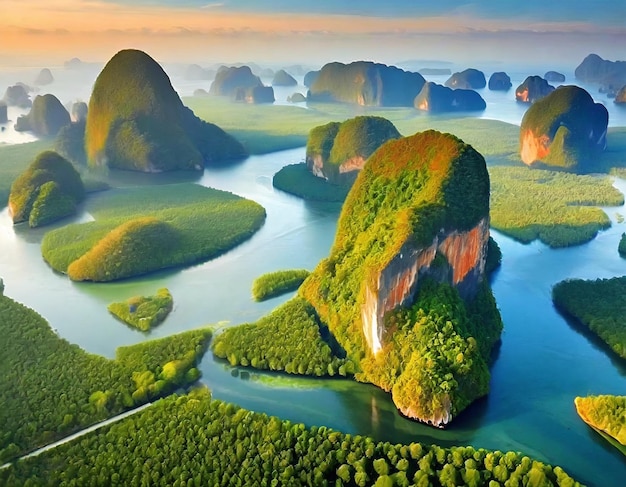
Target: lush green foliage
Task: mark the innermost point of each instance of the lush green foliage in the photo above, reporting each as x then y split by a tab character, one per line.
48	190
137	121
276	283
289	339
63	389
144	312
296	179
191	223
14	160
435	354
621	248
494	256
70	142
555	207
605	413
46	117
199	441
599	305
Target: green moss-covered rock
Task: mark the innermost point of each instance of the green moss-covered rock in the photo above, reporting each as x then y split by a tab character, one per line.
469	79
46	117
532	89
48	190
566	129
436	98
283	78
131	249
70	142
136	121
338	151
366	83
403	289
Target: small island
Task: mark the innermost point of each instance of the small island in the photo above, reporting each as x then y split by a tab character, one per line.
621	248
277	283
607	415
144	312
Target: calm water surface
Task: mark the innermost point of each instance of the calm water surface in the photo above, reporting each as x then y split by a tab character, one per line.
542	364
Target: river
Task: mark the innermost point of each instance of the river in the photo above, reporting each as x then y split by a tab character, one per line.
542	364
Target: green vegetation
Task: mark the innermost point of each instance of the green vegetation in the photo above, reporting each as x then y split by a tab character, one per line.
289	339
14	160
137	121
63	389
70	142
621	248
334	144
296	179
494	256
144	229
555	207
46	117
48	190
199	441
144	312
276	283
599	305
605	414
410	190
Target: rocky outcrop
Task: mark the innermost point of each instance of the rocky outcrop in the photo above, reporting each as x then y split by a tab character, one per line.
436	98
554	77
397	284
44	77
336	151
79	111
232	80
500	81
17	96
367	84
136	121
3	112
283	78
566	129
470	79
594	69
296	98
532	89
46	117
310	77
256	94
195	72
407	267
620	96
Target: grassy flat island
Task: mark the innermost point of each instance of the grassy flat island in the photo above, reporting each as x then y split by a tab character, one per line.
143	229
607	415
598	305
276	283
144	312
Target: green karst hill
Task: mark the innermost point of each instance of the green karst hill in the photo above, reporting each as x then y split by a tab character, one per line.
48	190
337	151
136	121
564	129
403	289
46	117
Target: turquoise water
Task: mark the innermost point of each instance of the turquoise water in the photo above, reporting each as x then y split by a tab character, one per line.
542	364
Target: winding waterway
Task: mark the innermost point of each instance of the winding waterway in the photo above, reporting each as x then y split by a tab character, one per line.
542	364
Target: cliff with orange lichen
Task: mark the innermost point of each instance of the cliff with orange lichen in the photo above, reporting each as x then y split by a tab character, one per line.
404	288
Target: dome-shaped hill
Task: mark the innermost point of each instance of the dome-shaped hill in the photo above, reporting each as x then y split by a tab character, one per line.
123	251
46	117
48	190
137	121
418	214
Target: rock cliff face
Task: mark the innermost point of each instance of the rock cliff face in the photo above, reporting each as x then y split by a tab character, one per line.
229	80
46	117
620	96
566	129
283	78
594	69
398	282
400	287
470	79
367	84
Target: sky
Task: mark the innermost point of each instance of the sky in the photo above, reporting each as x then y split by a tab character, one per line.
540	32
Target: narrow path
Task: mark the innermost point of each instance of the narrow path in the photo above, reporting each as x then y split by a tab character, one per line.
78	434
